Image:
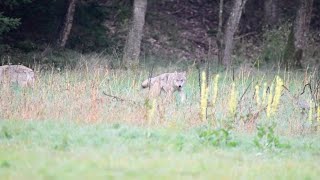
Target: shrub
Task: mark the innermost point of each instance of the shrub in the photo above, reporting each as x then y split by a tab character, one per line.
274	44
217	137
266	137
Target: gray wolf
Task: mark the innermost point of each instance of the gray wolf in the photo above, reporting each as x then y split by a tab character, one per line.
167	83
19	74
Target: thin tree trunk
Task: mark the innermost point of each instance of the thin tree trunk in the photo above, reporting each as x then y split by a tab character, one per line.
302	24
67	25
220	34
270	12
231	28
132	46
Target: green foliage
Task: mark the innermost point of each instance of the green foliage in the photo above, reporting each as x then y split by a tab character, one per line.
290	49
275	43
5	164
41	20
62	58
266	137
63	145
7	23
46	149
217	137
13	3
26	46
88	32
5	133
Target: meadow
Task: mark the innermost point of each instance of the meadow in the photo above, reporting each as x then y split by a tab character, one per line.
243	125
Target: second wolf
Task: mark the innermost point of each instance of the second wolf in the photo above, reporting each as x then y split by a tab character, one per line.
167	83
21	75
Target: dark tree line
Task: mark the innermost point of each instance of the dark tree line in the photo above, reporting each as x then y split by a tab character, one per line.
95	25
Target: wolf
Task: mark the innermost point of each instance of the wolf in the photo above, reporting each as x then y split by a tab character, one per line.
167	83
19	74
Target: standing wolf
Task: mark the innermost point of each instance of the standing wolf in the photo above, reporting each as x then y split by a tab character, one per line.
168	83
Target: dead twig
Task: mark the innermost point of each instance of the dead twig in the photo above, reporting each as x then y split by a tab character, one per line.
244	35
311	92
244	92
304	88
121	99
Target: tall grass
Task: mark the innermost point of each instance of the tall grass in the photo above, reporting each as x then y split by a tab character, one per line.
77	95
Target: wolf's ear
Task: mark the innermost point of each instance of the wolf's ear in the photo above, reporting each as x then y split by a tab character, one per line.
184	73
175	72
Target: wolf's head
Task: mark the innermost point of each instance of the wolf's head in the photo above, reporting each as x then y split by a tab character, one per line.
179	79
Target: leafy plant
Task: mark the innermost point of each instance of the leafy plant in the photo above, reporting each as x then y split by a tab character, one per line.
5	164
5	133
266	137
274	43
7	23
64	144
217	137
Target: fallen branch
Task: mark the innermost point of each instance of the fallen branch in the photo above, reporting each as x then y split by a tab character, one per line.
244	92
304	88
121	99
311	92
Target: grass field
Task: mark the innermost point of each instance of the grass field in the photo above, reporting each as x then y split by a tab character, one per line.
66	128
66	150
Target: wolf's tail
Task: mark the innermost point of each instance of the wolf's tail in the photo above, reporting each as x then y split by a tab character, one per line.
145	83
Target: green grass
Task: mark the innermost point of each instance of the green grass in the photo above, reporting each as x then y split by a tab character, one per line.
66	128
67	150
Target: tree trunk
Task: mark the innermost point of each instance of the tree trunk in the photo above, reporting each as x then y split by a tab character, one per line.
270	13
67	25
302	24
220	34
132	46
232	26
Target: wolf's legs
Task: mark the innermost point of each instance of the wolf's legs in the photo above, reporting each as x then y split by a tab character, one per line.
169	95
182	96
154	90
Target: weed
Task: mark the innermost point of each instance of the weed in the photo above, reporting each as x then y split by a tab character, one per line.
5	164
318	114
5	133
233	100
217	137
215	89
77	95
275	43
103	151
150	108
266	137
63	145
204	97
277	95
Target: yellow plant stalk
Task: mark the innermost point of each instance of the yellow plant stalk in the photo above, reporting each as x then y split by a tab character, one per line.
318	114
151	110
310	111
233	99
204	97
270	96
215	89
277	95
257	92
264	93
